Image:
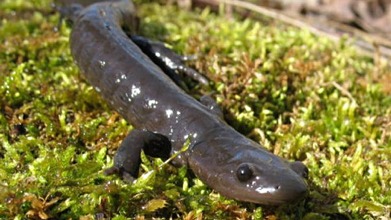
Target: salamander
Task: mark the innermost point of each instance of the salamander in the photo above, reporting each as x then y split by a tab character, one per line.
126	71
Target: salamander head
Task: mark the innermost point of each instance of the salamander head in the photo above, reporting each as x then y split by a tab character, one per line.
249	173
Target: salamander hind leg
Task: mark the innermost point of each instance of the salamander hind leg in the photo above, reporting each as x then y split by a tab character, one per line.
127	159
170	62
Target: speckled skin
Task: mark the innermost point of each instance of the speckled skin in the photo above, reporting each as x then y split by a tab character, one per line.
148	99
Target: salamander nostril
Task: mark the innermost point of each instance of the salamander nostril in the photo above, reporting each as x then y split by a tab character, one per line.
277	187
300	169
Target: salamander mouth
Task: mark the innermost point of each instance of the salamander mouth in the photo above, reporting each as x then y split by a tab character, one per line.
275	195
267	194
270	196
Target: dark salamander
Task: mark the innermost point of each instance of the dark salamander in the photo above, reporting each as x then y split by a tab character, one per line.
122	71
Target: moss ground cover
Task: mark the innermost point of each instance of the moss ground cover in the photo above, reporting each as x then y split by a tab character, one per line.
303	97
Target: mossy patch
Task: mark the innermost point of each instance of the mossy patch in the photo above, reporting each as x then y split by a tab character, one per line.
303	97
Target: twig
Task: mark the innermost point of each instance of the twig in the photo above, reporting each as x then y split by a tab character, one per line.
344	91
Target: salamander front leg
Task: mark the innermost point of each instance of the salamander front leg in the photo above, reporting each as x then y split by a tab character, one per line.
170	62
127	159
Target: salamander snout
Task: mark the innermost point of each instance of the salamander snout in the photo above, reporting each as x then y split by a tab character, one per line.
248	173
291	190
273	185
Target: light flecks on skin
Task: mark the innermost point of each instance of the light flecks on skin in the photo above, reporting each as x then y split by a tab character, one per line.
119	77
265	190
97	89
178	113
152	104
262	189
170	63
171	131
135	91
128	97
194	135
102	63
253	183
169	113
167	61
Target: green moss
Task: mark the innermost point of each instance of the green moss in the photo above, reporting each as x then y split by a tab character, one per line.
303	97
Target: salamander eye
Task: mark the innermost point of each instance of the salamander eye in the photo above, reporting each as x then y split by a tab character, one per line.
244	172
